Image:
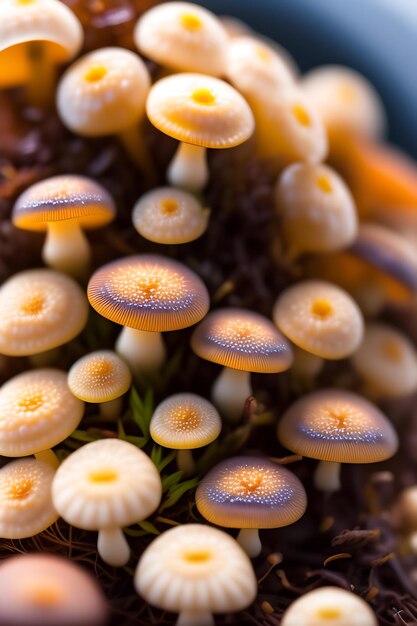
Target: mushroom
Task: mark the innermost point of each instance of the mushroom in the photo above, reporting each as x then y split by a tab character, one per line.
319	318
336	426
147	294
406	513
250	493
169	216
104	486
49	590
37	411
195	570
201	112
101	377
243	342
26	507
63	206
185	421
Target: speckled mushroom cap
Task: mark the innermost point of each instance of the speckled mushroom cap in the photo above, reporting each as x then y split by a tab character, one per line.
40	309
26	507
185	421
200	110
148	292
183	36
99	376
319	318
37	411
108	483
242	340
104	92
47	590
193	568
62	198
248	492
339	426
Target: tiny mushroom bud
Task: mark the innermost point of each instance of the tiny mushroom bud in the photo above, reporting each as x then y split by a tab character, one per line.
250	493
63	206
336	426
243	342
407	512
195	570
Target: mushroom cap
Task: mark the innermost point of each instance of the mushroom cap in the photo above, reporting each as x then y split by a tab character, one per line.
107	483
319	318
169	216
99	376
41	309
37	411
47	590
104	92
184	37
148	292
62	198
339	426
200	110
387	360
242	340
185	421
26	507
194	568
248	492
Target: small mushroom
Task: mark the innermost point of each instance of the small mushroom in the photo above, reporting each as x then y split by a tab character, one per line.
195	570
104	486
336	426
406	514
250	493
243	342
185	421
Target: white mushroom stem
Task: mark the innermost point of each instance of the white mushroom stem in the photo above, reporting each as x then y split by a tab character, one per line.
113	547
413	542
188	169
143	351
248	539
66	248
327	476
195	619
112	409
185	461
49	457
230	391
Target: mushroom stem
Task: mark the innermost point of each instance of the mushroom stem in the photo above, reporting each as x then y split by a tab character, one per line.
230	391
66	248
134	144
185	461
49	457
188	169
113	547
143	351
327	476
112	409
195	619
413	542
40	87
248	539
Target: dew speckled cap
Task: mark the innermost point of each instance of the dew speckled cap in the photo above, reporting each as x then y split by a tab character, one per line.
100	376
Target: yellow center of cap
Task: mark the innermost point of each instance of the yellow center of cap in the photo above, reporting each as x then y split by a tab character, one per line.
329	613
197	556
301	115
263	54
323	184
346	92
33	305
95	73
20	489
43	594
24	2
251	483
191	22
31	401
392	351
100	368
340	419
169	206
203	96
322	309
185	419
103	476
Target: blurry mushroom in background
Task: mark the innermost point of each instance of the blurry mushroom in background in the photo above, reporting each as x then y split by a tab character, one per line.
201	112
147	294
250	493
185	421
406	513
169	216
195	570
336	426
104	486
243	342
48	590
63	206
101	377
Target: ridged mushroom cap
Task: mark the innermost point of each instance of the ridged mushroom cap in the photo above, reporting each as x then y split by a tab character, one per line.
107	483
200	110
339	426
185	421
62	198
148	292
41	309
26	507
248	492
184	37
194	568
320	318
104	92
37	411
242	340
99	376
